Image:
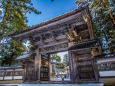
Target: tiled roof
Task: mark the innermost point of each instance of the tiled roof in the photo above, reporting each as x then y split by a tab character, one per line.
52	20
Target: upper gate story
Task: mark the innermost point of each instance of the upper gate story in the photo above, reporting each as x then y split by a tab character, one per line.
52	36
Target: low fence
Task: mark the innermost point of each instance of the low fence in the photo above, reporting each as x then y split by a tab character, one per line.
106	65
11	73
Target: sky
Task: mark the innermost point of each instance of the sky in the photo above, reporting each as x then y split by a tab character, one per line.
62	54
50	10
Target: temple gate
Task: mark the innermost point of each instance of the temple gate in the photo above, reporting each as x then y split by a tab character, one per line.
71	32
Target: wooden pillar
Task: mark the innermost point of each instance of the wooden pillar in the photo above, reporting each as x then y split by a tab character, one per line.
73	67
50	70
4	74
49	67
96	70
37	64
70	65
24	73
13	74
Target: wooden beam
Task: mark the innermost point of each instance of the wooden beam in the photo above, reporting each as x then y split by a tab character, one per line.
88	20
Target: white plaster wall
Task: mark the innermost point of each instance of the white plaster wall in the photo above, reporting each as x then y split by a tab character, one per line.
107	73
106	60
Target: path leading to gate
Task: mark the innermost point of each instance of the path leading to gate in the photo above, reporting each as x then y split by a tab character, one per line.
52	85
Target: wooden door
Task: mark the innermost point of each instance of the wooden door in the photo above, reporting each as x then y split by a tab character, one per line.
84	64
44	71
30	71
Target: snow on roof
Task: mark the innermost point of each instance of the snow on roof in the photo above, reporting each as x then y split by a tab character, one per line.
25	56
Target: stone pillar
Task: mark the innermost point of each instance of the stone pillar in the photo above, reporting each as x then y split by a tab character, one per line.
37	64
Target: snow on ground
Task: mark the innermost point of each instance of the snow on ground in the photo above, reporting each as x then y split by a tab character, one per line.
11	77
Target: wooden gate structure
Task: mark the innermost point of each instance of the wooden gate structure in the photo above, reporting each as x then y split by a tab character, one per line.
72	32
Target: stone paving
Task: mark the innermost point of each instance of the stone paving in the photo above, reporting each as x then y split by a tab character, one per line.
52	85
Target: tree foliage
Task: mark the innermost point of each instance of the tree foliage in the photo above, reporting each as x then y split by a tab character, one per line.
14	11
57	64
13	20
103	16
55	58
9	50
60	66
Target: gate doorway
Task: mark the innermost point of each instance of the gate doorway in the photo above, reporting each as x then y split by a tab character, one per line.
71	31
59	66
44	70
